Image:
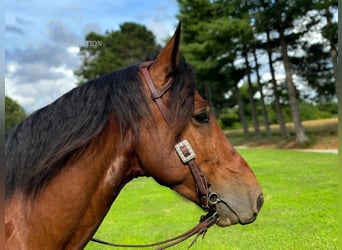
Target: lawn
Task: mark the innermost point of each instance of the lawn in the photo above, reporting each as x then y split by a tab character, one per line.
322	134
299	212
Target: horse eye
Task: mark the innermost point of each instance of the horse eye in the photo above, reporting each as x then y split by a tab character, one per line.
202	117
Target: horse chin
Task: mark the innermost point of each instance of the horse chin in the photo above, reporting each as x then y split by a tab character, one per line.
227	218
226	222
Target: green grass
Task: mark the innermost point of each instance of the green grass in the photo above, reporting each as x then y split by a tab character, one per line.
299	212
322	134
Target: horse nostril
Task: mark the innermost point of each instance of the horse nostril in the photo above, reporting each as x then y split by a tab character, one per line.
260	201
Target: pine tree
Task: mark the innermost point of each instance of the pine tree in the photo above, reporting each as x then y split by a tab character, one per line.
129	45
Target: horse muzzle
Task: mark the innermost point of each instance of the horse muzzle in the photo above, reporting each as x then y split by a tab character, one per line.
234	211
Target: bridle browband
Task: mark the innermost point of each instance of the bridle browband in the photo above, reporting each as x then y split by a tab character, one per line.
208	199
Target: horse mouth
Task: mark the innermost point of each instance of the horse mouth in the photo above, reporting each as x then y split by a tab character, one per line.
233	219
226	222
229	217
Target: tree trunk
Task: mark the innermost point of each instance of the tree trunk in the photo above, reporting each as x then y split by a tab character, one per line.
333	49
291	88
241	112
281	120
251	99
262	97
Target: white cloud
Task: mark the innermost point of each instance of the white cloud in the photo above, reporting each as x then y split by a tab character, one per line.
161	30
34	85
33	96
12	67
37	75
73	50
40	63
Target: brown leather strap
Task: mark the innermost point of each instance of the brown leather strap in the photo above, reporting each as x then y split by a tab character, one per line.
187	155
201	184
200	229
156	94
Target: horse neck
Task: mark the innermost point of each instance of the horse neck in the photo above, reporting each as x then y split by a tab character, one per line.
71	207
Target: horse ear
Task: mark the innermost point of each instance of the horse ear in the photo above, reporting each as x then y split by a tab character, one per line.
167	60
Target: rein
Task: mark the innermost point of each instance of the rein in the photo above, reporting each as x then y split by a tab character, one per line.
208	199
200	229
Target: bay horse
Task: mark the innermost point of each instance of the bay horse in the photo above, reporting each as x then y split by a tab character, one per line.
67	162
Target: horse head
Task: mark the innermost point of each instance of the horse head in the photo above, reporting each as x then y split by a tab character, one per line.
179	112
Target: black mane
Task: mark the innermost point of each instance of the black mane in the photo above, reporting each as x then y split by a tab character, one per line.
39	147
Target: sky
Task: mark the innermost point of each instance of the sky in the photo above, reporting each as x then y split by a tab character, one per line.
42	39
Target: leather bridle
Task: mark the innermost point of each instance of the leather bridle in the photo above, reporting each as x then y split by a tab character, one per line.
183	148
208	199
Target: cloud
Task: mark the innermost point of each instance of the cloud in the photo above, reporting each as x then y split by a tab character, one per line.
33	97
92	27
36	72
23	21
156	20
161	31
36	76
34	91
59	33
14	29
41	45
45	53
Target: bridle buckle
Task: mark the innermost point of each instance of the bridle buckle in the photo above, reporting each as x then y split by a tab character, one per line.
185	151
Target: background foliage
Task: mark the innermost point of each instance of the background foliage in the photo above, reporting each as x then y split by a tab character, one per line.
129	45
14	113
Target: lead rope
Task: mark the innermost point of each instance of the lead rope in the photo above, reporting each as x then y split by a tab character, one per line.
200	229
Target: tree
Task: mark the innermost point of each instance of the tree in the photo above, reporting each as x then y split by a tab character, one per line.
14	113
330	33
129	45
282	125
219	35
241	112
326	8
212	41
262	96
237	75
251	93
285	15
267	38
316	68
278	18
